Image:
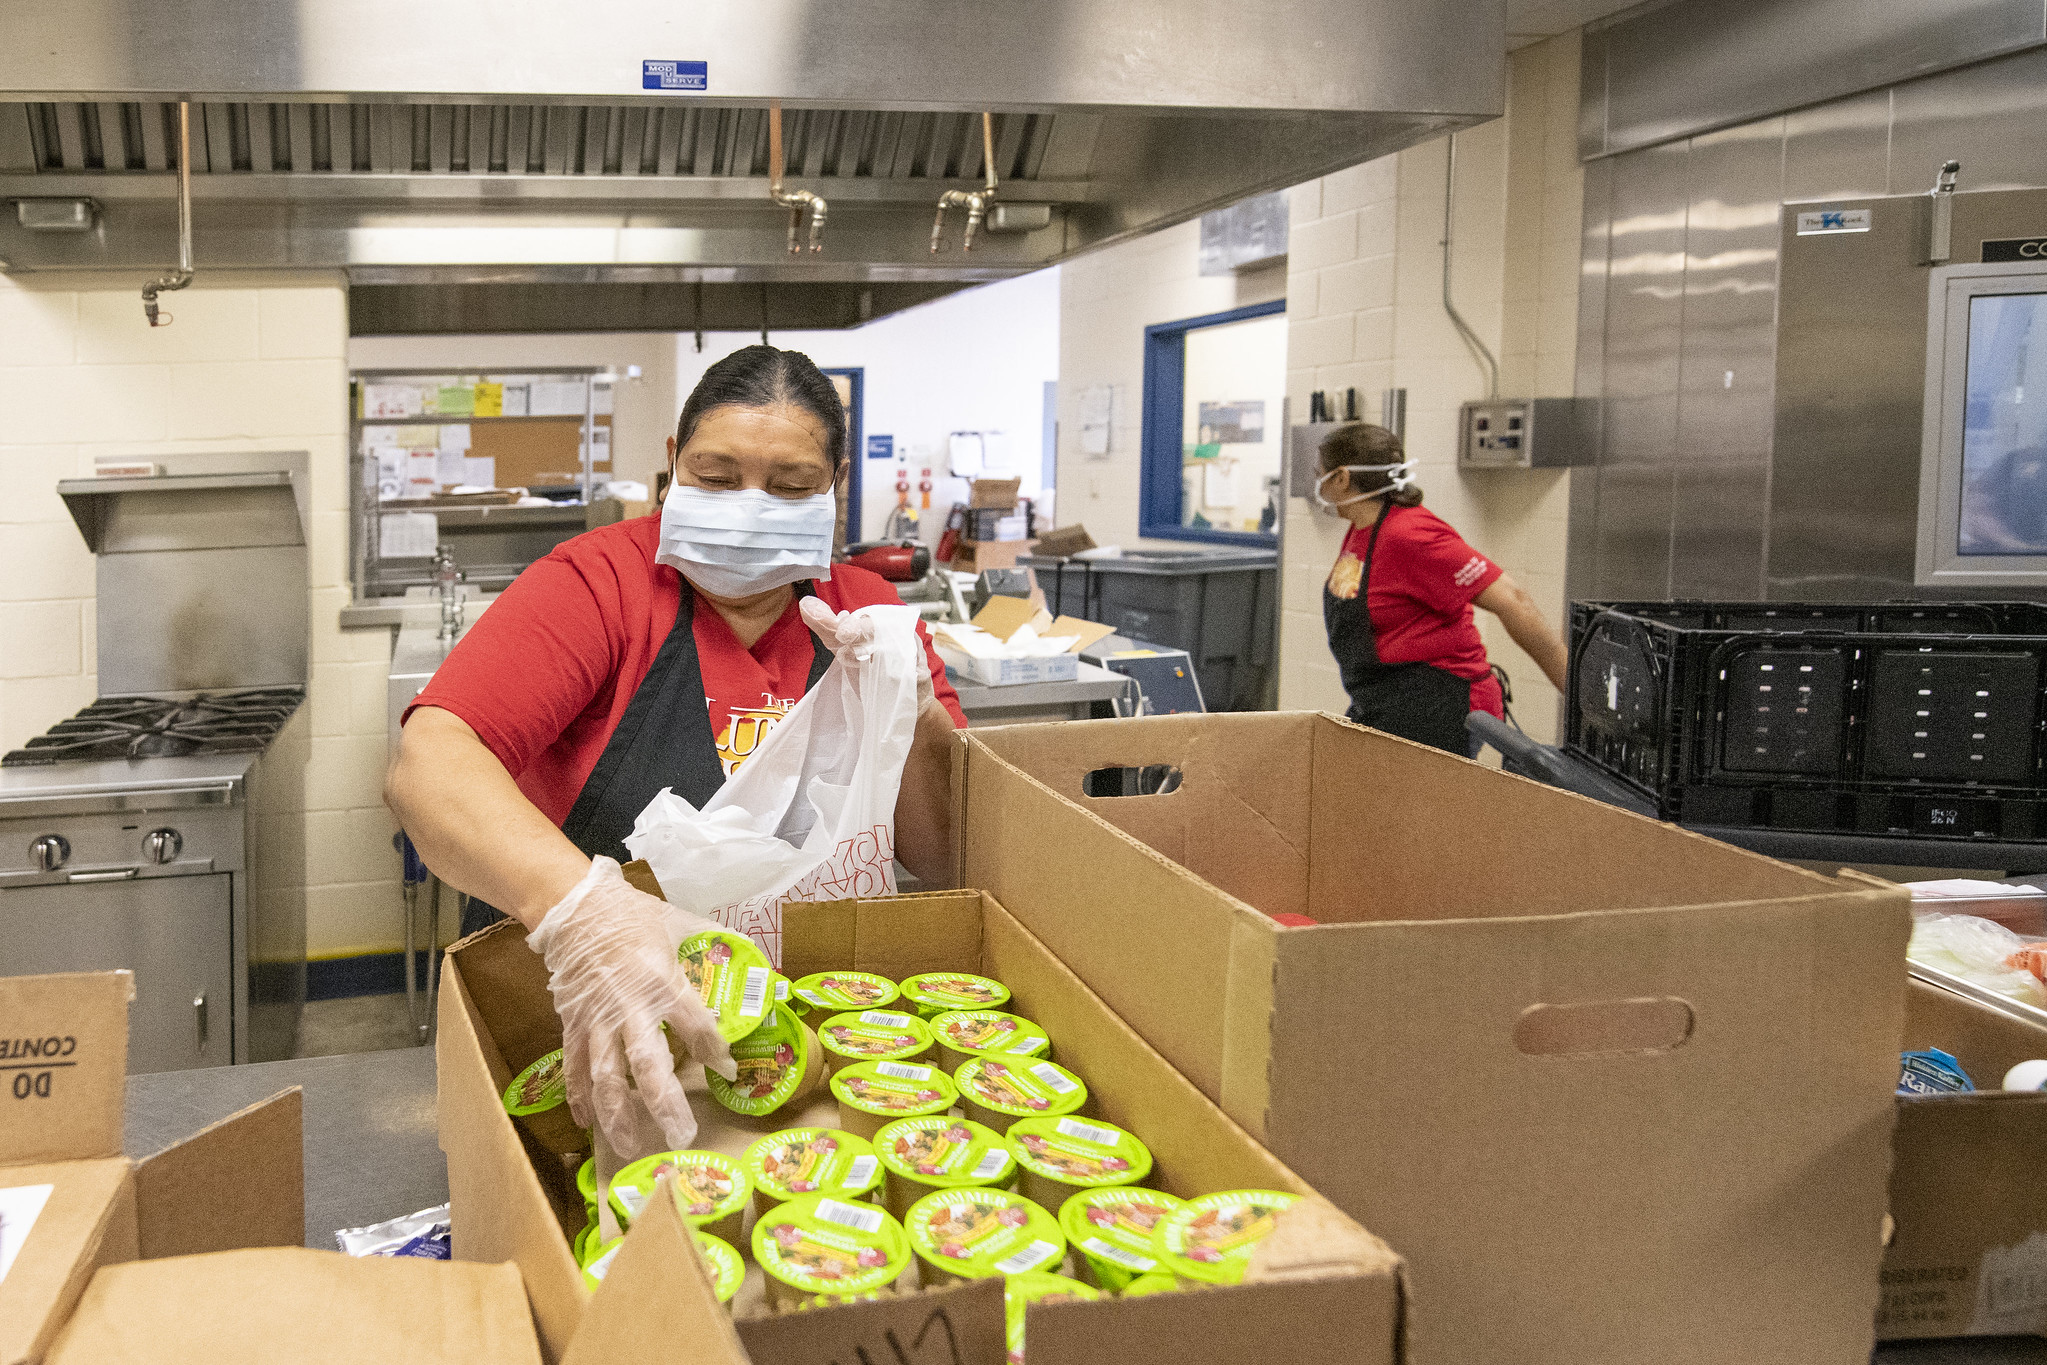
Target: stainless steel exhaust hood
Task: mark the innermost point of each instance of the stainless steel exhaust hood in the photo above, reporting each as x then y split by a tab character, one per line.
495	145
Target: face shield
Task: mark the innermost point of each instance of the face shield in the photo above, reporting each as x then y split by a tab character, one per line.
1398	476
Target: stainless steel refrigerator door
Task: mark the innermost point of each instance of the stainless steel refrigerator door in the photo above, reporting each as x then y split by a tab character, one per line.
175	933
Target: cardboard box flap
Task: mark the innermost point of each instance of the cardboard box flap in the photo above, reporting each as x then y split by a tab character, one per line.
1003	617
1086	632
309	1307
655	1299
961	1325
510	1216
64	1050
87	1219
238	1183
1324	1324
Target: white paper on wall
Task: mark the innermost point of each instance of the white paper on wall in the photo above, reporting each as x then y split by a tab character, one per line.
408	535
1097	414
448	466
390	400
454	436
389	466
480	472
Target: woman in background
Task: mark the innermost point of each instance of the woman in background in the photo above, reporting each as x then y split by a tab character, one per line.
1398	602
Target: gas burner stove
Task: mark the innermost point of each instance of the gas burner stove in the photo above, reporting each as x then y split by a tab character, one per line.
153	727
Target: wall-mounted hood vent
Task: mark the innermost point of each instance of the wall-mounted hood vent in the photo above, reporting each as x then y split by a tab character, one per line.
492	145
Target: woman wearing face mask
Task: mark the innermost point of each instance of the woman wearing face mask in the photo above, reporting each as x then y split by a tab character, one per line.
1398	601
652	653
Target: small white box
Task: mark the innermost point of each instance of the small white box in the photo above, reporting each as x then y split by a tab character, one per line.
1009	672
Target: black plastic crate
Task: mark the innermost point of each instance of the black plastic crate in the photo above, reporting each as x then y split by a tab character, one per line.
1907	718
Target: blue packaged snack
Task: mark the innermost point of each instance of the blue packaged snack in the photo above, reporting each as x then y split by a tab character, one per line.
1932	1072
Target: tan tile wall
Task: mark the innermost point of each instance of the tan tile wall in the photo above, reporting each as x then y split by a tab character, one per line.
1106	300
1364	305
250	363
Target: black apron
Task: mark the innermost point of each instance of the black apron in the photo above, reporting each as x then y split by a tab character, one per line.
664	739
1416	701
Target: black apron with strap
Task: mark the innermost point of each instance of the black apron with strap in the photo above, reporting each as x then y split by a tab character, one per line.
664	739
1416	701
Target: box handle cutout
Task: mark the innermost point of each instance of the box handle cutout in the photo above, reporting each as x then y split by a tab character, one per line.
1604	1028
1154	779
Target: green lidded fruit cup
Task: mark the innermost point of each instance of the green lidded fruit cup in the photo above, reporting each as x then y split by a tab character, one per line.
1110	1231
980	1233
733	976
799	1161
962	1034
823	993
1062	1156
779	1066
924	1155
538	1099
712	1187
816	1245
873	1036
998	1092
1209	1240
727	1270
1019	1292
599	1264
874	1094
934	993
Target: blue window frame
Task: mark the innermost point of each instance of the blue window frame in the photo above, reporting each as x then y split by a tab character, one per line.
1160	485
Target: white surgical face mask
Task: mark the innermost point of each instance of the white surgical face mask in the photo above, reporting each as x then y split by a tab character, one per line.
735	542
1400	476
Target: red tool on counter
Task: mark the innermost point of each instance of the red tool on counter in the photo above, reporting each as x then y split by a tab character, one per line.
896	563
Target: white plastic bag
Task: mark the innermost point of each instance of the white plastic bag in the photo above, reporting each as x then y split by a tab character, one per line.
1975	949
811	813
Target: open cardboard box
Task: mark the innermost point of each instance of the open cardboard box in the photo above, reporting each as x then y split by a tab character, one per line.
192	1256
1615	1091
1322	1292
1969	1185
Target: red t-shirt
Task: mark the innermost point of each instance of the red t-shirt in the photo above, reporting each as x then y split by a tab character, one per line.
544	676
1424	578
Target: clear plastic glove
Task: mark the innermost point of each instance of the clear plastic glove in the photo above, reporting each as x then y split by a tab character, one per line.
850	637
611	964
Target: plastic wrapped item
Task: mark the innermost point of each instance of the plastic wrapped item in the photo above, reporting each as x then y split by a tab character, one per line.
1977	951
424	1234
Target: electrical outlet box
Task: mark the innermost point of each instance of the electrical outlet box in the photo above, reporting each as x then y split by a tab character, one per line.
1527	433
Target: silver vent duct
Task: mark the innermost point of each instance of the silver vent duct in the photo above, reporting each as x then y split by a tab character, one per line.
488	145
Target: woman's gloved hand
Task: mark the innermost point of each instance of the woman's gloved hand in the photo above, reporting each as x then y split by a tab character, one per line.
851	636
611	962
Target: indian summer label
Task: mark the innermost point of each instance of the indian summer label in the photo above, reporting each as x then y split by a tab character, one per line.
710	1185
942	991
944	1151
894	1088
990	1032
540	1086
1079	1152
1021	1088
875	1035
822	1245
1211	1238
834	992
983	1232
733	976
799	1161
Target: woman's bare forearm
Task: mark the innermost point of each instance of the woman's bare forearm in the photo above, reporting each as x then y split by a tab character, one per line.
924	805
1525	625
472	825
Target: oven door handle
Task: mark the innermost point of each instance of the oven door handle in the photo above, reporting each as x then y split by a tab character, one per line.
119	874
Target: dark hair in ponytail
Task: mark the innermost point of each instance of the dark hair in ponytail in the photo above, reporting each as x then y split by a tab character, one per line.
1363	443
761	377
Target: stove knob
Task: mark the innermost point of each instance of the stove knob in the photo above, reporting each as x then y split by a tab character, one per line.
50	852
162	845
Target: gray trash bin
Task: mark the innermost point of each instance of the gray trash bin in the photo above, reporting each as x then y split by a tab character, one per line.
1221	606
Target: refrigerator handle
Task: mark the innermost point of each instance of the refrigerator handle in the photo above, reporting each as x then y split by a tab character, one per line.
199	1013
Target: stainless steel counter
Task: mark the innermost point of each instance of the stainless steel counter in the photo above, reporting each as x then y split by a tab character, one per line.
372	1150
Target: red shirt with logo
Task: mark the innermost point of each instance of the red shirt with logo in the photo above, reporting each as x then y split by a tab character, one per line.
1424	578
545	674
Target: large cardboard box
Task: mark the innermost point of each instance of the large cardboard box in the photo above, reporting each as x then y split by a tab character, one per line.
1324	1291
1615	1091
192	1256
1969	1186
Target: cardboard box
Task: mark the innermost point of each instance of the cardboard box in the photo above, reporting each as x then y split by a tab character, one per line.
1969	1183
973	556
192	1255
1062	541
1323	1291
1615	1091
994	494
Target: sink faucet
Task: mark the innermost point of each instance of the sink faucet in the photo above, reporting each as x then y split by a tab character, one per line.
449	579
